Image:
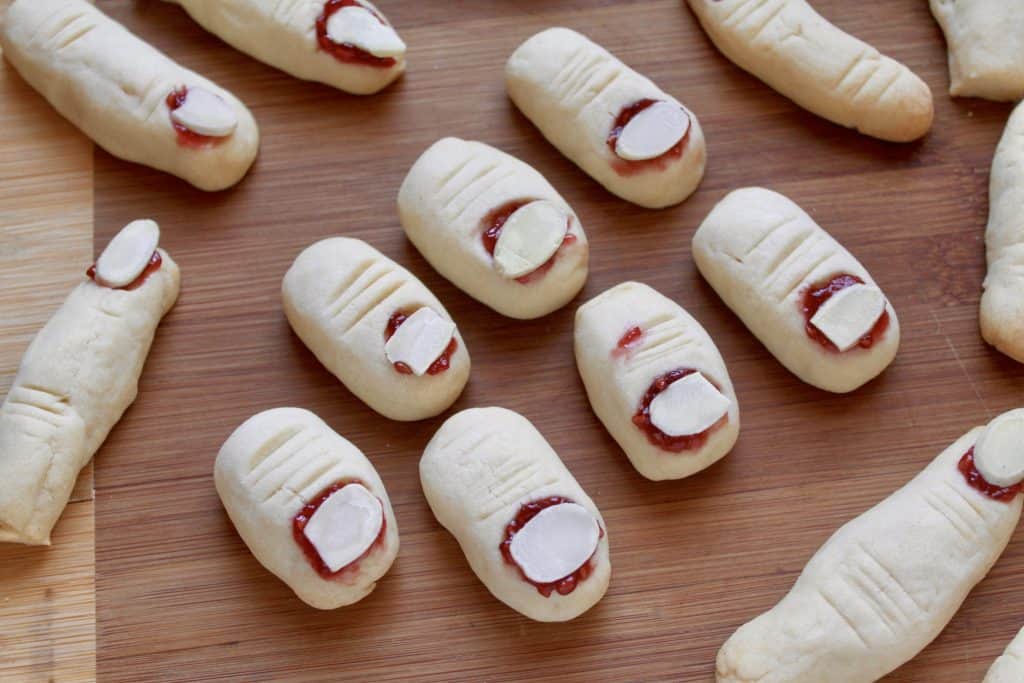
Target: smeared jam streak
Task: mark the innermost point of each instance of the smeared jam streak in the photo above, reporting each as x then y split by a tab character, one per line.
816	296
495	221
347	52
627	167
155	261
976	480
673	444
309	550
443	361
627	342
564	585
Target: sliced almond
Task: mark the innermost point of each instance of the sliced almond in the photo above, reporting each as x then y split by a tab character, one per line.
420	340
358	26
530	237
128	254
345	525
999	451
688	406
205	113
556	542
849	314
652	132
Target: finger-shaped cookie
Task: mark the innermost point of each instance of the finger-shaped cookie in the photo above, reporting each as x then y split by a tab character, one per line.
309	505
986	55
885	584
131	99
529	531
808	300
638	141
377	328
656	381
348	44
1002	304
78	376
494	227
799	53
1009	668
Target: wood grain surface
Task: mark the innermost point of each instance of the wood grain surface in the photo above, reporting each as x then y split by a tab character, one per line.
179	597
47	595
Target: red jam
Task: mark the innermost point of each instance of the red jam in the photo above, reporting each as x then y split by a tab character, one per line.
528	511
627	167
817	295
443	361
154	264
975	480
627	342
346	52
674	444
495	220
306	514
187	137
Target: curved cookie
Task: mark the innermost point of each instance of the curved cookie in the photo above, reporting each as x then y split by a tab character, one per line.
1002	304
1009	667
77	378
296	37
489	477
354	308
458	204
582	99
808	300
131	99
885	584
799	53
281	477
986	52
632	344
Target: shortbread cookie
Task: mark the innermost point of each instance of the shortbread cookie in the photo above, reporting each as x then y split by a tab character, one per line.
656	381
635	139
309	505
1009	668
494	227
986	47
529	531
132	100
885	584
808	300
377	328
795	50
348	44
1002	304
78	376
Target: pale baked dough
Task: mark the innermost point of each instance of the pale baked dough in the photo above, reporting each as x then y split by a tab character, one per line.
617	379
78	376
274	464
1009	667
283	35
799	53
476	472
573	90
760	252
882	587
1002	304
443	204
114	87
339	295
986	47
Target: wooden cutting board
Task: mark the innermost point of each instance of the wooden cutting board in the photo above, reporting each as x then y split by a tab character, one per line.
179	597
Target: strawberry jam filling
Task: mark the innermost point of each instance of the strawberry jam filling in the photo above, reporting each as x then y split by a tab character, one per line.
495	220
346	52
976	480
627	342
815	297
627	167
674	444
562	586
302	519
155	261
443	361
186	136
